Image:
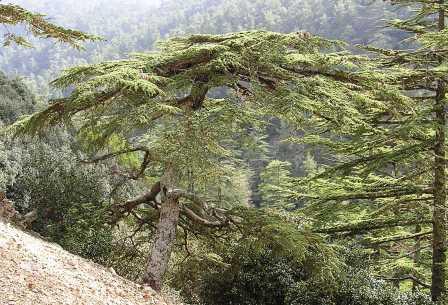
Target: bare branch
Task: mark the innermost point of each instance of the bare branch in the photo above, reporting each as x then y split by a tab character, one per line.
198	219
119	211
118	153
407	277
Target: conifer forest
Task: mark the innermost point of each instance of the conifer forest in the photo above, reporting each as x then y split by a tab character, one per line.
264	152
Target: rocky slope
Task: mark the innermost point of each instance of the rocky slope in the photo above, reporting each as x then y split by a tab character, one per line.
33	271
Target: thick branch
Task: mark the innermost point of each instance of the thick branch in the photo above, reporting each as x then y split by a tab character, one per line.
205	222
150	197
190	214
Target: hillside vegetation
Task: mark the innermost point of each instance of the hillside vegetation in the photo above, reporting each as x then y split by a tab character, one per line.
136	25
229	152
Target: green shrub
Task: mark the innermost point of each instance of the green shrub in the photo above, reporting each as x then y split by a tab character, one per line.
70	199
15	99
252	277
357	287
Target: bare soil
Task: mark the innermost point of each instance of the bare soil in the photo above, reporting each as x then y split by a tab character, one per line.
36	272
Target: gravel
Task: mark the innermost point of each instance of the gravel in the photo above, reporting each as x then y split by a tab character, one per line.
36	272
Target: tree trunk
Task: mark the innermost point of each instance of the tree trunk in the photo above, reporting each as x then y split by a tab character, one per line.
165	235
163	243
439	213
169	212
416	256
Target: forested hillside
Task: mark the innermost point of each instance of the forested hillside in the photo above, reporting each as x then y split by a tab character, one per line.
134	26
234	152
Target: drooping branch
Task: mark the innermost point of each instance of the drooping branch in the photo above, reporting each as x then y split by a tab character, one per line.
143	166
58	111
190	214
410	253
374	195
375	158
397	238
133	176
39	26
120	211
340	76
407	277
374	224
202	221
200	202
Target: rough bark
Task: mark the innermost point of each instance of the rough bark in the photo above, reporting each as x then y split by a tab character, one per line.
439	213
163	242
165	235
417	251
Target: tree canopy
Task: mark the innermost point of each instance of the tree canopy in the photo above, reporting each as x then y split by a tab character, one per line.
159	107
391	167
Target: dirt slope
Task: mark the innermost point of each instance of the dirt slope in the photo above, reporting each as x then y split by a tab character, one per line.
36	272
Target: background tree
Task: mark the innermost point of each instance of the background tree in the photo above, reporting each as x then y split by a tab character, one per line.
275	180
393	164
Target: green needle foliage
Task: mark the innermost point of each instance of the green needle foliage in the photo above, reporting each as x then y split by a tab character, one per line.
38	26
388	171
159	114
163	97
276	179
